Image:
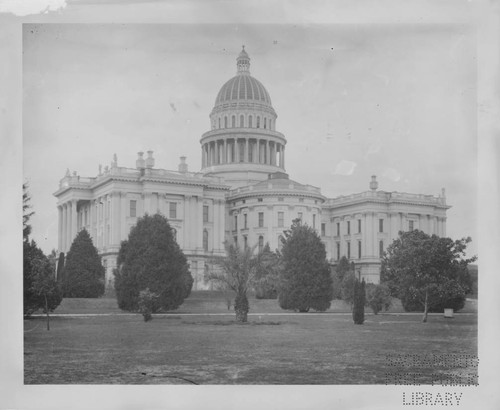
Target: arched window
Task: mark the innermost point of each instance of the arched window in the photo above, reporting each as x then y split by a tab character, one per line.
270	124
258	122
250	125
242	121
219	122
261	243
381	249
225	122
265	123
205	240
233	121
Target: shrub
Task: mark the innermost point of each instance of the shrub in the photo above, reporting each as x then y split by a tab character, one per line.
378	297
147	302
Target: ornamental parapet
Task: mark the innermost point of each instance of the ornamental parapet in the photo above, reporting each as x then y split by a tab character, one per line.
78	182
388	197
277	190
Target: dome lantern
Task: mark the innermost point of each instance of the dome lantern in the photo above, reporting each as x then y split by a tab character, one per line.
243	62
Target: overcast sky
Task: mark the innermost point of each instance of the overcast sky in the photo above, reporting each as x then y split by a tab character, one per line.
353	101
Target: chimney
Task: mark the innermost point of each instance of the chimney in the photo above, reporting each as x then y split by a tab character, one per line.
183	167
150	161
140	163
374	183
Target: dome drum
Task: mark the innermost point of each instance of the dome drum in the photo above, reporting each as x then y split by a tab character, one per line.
243	144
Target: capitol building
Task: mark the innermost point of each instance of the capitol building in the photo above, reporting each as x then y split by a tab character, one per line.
241	194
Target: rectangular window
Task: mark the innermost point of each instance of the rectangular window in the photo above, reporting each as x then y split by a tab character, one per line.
133	208
205	213
381	225
381	249
348	227
314	221
245	241
245	221
235	222
338	228
348	250
281	199
410	225
359	249
172	210
338	251
359	225
299	215
259	199
323	229
281	219
261	219
301	199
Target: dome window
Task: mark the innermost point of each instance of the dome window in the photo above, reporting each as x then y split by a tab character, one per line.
242	121
265	123
233	121
225	122
258	122
250	125
219	122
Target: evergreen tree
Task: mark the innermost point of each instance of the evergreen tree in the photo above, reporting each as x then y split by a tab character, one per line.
83	273
151	259
27	214
358	311
341	270
40	289
60	268
267	275
305	280
347	288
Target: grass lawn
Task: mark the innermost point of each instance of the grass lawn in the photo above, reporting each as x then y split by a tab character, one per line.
271	349
214	302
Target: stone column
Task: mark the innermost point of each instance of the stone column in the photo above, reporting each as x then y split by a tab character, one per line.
194	221
93	221
247	155
67	226
221	228
73	220
199	224
64	227
215	226
187	222
116	219
59	227
369	234
393	226
268	153
283	156
225	151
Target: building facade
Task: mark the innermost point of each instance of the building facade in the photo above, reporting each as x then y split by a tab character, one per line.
241	194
